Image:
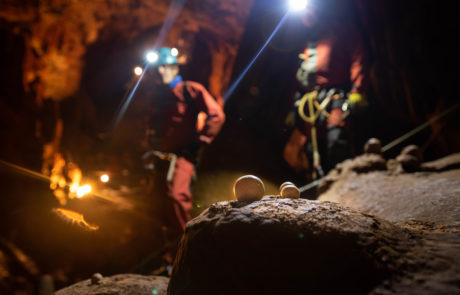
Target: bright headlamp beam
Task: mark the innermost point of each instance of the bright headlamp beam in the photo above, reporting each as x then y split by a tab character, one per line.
127	100
297	5
233	86
151	56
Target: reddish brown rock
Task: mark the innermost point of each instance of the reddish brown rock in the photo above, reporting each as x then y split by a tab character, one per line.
58	33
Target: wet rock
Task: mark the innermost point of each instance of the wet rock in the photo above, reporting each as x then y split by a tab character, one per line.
373	146
120	284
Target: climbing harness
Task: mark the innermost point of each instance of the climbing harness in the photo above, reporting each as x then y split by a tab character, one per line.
396	141
315	110
154	154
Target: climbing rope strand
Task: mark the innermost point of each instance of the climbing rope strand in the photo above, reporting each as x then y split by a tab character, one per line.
396	141
419	128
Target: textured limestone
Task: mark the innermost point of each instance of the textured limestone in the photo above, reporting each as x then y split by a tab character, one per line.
286	246
120	284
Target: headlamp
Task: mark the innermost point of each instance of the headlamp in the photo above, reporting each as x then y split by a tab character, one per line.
297	5
152	56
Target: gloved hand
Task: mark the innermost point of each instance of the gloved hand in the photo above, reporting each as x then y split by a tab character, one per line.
357	100
354	102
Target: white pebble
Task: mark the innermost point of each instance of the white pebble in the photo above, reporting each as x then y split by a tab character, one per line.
290	191
248	188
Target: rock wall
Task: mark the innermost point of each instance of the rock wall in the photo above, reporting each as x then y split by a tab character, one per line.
57	34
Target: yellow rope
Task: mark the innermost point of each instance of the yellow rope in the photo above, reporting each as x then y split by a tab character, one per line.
312	99
310	96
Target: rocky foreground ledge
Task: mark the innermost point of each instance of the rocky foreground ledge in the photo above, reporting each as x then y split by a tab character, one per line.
392	228
297	246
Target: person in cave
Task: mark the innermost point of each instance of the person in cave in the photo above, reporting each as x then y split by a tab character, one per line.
331	75
184	117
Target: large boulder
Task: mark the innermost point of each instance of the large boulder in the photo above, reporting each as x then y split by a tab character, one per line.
297	246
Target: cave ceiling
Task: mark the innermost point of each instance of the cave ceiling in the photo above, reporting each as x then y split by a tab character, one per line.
57	34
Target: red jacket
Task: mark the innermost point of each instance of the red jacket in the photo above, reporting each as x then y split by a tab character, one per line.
176	122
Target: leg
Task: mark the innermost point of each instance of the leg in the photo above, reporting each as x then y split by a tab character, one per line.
179	203
338	148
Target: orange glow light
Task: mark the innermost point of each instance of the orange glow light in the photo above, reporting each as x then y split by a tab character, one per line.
74	218
83	190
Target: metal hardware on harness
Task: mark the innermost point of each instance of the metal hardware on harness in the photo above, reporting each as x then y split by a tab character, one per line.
311	99
397	140
170	157
172	165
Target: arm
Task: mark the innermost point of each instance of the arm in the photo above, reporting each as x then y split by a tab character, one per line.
357	69
207	104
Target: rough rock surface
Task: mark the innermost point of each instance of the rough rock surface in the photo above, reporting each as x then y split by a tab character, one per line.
429	196
58	33
362	164
297	246
446	163
121	284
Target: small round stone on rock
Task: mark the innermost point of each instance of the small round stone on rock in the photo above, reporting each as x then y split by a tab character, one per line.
248	188
290	191
284	184
373	146
96	279
409	162
412	150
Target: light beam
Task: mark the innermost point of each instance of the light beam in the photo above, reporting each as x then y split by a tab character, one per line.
127	100
298	5
240	77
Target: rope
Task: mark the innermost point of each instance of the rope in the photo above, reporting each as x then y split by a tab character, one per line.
419	128
396	141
